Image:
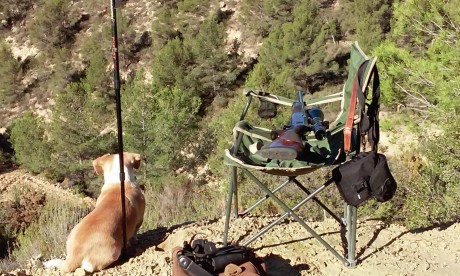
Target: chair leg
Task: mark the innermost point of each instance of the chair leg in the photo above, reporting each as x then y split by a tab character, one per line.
280	218
235	192
228	205
350	215
257	203
296	217
315	199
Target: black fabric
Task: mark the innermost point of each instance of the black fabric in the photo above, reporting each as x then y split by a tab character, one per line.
214	259
267	109
369	118
373	111
382	183
352	178
365	175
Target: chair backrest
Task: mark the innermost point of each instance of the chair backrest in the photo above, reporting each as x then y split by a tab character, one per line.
361	113
361	69
360	72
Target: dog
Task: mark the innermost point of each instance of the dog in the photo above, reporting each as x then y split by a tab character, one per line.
97	241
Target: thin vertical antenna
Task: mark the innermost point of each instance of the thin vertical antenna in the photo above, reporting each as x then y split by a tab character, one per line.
116	82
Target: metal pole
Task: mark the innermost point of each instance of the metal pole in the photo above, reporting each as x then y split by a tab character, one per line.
116	82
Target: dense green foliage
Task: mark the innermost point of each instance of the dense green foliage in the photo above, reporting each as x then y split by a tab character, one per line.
76	133
368	21
261	16
160	123
181	118
14	10
52	26
293	52
420	63
9	75
30	143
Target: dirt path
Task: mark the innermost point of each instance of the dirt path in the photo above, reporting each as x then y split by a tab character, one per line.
18	181
289	250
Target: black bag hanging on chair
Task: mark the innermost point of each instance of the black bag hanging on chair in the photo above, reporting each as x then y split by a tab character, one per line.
382	183
365	175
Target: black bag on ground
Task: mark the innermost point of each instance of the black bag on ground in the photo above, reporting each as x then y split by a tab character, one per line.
365	175
202	257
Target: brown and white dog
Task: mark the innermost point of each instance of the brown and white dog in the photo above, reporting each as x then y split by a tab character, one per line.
97	241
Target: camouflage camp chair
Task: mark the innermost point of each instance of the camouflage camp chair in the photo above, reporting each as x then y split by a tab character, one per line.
358	118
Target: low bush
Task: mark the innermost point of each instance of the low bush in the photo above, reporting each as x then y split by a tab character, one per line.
46	237
175	199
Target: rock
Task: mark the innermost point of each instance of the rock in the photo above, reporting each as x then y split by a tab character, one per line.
19	272
79	272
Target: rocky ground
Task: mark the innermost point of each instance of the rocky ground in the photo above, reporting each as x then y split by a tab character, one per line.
289	250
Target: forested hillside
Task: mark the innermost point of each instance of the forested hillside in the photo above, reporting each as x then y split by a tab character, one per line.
184	64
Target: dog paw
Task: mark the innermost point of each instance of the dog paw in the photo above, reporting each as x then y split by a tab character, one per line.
52	263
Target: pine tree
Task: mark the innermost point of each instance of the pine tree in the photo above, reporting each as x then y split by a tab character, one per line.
159	123
76	130
33	154
367	21
419	73
62	70
164	28
295	49
210	57
175	124
258	78
9	75
169	68
261	16
139	112
94	54
50	27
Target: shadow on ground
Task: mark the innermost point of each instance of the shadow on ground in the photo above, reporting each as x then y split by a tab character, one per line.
361	258
283	266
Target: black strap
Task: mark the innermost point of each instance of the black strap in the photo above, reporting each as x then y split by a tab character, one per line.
373	111
369	119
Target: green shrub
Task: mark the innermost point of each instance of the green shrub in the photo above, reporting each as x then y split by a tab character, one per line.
9	75
14	10
51	26
47	236
6	232
174	199
33	154
434	199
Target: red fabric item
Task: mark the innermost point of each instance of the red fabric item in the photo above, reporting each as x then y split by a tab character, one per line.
350	117
176	269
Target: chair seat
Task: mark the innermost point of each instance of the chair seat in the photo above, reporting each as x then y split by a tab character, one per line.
317	153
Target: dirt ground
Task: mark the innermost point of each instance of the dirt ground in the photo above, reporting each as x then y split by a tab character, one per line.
289	250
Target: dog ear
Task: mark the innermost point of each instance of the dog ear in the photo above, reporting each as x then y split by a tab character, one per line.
99	162
134	159
97	166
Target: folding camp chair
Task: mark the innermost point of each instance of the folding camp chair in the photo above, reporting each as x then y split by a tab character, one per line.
358	118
